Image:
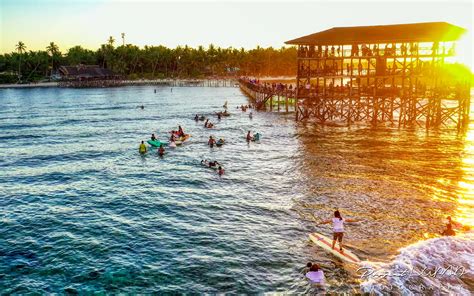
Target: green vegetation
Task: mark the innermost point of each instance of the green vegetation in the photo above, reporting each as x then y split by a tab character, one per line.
150	62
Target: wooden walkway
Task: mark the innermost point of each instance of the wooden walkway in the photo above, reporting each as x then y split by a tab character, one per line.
264	96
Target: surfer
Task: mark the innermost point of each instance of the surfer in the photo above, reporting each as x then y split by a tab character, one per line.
211	142
315	274
153	138
338	228
213	163
249	137
210	164
142	148
449	230
256	137
180	131
220	171
161	150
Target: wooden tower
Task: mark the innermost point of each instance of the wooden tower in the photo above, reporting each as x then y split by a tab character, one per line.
392	73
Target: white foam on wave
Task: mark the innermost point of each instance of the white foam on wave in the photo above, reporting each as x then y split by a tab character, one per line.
436	266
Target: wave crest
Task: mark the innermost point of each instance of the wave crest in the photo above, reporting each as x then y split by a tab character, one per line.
436	266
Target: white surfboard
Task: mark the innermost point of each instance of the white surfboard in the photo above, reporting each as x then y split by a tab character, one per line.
326	243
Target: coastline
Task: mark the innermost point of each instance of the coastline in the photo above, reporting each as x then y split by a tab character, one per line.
29	85
217	82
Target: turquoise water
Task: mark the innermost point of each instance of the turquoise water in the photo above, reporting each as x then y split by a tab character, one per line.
81	211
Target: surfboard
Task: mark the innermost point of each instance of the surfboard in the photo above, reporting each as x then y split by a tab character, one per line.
156	143
326	243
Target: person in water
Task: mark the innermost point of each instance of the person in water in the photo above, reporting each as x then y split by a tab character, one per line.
205	123
249	137
213	163
142	148
338	228
161	150
196	118
250	115
180	131
220	171
220	142
153	138
449	230
218	116
315	273
211	141
455	224
256	137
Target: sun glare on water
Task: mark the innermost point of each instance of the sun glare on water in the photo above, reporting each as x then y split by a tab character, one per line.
465	214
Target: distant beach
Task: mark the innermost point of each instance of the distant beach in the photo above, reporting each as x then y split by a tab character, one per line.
217	82
29	85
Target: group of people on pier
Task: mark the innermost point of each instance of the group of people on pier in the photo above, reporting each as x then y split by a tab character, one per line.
265	87
360	69
365	50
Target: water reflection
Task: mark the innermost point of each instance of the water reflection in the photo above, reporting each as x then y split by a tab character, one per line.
465	193
402	183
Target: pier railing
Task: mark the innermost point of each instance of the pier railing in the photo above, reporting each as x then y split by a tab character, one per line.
263	94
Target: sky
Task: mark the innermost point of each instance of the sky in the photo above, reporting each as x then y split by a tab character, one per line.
245	24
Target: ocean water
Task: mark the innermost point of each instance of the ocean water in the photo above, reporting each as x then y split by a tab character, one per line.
81	211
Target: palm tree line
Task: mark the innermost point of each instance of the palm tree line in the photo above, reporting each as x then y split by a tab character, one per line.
150	62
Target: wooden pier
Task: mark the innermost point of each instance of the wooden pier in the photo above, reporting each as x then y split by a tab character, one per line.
395	74
275	97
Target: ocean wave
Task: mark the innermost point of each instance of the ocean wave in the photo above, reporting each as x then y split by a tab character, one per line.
436	266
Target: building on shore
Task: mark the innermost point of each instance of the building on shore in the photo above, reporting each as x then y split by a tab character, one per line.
393	73
88	76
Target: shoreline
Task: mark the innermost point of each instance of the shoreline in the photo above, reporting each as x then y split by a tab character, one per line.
29	85
218	82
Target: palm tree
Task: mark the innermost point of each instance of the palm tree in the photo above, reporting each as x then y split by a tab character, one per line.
111	41
20	47
53	50
109	51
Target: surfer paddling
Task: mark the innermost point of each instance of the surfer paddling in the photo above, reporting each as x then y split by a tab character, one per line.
314	273
338	228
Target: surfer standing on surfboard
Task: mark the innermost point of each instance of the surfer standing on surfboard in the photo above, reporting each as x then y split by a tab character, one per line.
338	228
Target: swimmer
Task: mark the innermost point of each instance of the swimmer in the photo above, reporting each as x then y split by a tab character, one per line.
161	150
220	171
